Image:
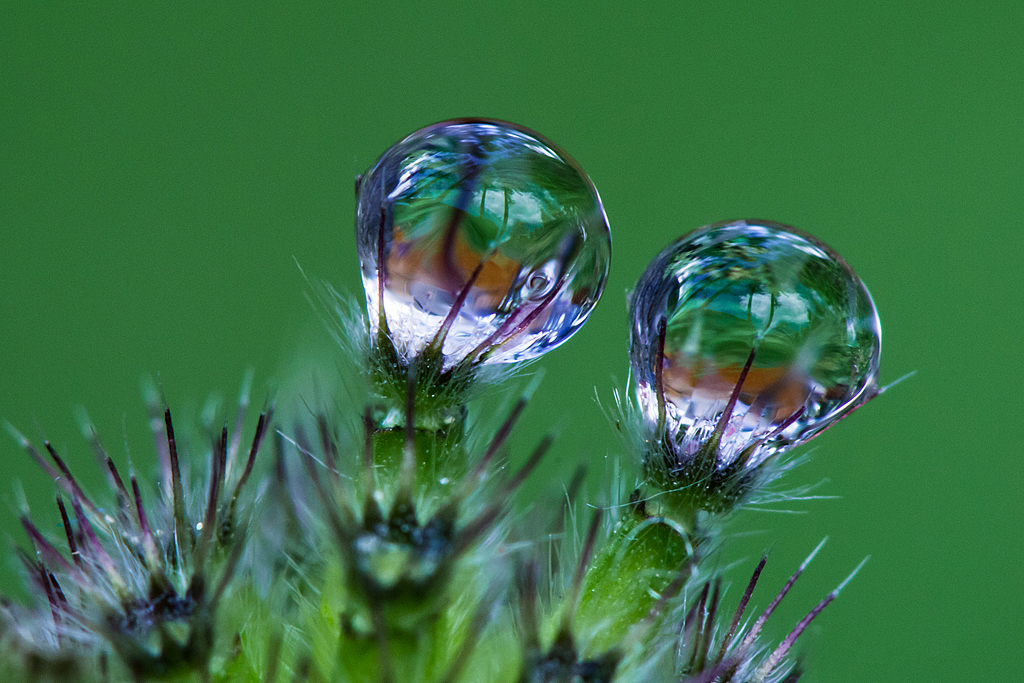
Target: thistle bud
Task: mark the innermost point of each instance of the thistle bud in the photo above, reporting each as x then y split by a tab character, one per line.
747	338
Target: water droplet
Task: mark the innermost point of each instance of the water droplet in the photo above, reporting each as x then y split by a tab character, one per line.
480	238
753	331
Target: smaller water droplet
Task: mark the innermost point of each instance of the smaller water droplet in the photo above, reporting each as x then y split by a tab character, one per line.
752	330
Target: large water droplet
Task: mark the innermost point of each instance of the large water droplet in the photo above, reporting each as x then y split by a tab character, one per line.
481	238
752	330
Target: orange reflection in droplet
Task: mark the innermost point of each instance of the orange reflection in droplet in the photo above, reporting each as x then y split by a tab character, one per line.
449	269
780	390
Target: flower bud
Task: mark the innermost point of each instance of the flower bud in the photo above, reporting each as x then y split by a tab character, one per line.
747	338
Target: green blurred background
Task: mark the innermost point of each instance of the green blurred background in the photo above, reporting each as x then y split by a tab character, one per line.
163	169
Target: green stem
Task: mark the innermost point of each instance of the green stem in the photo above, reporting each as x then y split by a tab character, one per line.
642	559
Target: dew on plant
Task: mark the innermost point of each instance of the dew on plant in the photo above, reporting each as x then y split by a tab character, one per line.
388	544
482	239
754	332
